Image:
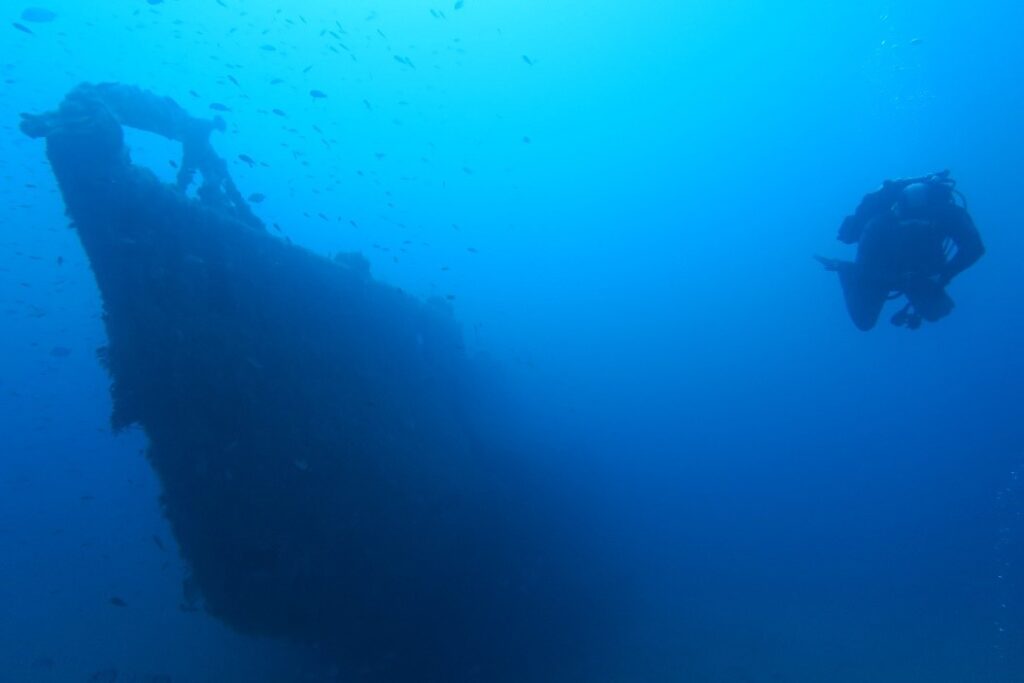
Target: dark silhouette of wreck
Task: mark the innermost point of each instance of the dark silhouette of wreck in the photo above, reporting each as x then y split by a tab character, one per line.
315	431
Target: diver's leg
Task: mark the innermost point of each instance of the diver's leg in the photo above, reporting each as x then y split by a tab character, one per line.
864	296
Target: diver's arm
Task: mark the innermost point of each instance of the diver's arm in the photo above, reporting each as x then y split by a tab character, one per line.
872	205
969	247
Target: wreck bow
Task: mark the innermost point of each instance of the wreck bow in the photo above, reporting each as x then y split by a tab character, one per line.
310	426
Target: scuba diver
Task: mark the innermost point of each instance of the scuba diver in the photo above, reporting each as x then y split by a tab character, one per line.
913	237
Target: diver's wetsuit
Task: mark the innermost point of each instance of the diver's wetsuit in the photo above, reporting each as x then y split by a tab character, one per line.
900	254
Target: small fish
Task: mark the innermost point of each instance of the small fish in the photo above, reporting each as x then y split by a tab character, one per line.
172	163
40	15
277	81
527	60
459	4
307	69
278	227
247	159
257	197
526	139
916	41
158	542
193	93
60	352
23	29
217	106
118	602
268	48
234	80
317	94
405	60
278	112
60	260
472	250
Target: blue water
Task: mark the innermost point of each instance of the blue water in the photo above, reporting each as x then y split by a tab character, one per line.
620	201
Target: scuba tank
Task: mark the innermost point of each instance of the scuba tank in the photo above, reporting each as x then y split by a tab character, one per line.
881	200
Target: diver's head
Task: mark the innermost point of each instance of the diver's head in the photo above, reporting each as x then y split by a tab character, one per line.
915	197
916	200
